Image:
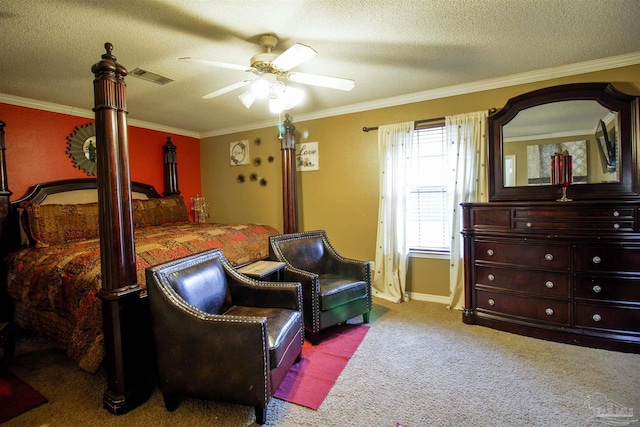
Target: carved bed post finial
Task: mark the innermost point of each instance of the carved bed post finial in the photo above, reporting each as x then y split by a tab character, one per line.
289	191
170	169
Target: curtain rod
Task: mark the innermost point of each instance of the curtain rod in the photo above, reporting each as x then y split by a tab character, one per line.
423	121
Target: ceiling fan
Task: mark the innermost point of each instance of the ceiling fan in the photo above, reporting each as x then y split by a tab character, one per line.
270	69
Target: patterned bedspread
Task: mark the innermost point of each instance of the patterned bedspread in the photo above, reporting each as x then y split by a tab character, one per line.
55	288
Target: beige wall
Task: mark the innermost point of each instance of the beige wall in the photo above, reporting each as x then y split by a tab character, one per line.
342	197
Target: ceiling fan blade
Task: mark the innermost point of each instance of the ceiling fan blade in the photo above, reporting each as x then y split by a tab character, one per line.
217	64
324	81
227	89
296	54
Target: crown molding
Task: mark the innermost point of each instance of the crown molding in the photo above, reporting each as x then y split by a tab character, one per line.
482	85
461	89
88	114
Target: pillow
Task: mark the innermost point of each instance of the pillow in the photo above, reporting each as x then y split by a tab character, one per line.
54	224
164	210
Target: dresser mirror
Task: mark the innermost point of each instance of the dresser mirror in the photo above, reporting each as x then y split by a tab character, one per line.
593	122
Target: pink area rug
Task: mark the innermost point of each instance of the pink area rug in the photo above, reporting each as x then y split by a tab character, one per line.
16	396
309	381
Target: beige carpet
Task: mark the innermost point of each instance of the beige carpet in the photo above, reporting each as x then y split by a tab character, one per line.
419	365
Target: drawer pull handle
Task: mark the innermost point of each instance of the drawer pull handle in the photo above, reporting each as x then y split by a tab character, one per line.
549	311
597	317
596	259
491	301
491	277
597	289
548	257
549	284
528	225
616	226
616	213
490	252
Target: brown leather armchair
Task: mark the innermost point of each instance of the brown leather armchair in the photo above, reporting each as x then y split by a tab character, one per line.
221	335
335	289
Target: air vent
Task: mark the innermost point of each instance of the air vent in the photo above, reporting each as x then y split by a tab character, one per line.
149	76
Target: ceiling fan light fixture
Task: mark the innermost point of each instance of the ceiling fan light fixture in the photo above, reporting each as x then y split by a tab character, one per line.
247	98
260	88
289	98
263	86
271	70
276	106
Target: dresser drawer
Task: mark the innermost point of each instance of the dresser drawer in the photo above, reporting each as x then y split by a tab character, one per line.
608	225
541	283
618	318
608	288
562	214
539	309
543	256
608	219
492	217
606	258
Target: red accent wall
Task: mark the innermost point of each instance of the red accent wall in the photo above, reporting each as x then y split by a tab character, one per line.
36	151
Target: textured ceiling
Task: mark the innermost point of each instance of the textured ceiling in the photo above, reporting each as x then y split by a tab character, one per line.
390	48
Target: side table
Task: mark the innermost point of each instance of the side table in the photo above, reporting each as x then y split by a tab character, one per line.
262	269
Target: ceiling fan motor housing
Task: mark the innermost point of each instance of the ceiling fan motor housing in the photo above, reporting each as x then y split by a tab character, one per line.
263	63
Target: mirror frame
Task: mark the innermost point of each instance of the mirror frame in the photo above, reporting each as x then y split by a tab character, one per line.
606	95
76	148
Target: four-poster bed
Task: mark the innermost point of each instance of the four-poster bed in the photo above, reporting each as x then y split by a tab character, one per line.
124	242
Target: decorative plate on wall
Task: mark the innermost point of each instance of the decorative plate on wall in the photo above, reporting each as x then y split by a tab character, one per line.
82	148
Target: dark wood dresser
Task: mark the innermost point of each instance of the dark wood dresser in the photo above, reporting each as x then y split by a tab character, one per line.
566	272
565	269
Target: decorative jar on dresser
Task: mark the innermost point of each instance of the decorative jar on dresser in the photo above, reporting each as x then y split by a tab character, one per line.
566	271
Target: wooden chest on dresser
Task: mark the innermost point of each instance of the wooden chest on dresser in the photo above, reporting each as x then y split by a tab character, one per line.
567	272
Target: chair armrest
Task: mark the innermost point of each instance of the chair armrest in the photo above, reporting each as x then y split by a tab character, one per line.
297	275
310	283
256	293
249	292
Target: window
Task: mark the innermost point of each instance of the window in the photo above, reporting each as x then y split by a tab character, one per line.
428	223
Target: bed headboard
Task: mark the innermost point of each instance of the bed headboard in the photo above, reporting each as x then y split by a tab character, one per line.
67	191
81	190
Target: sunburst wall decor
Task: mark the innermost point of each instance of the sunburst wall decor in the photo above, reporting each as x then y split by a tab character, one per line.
82	148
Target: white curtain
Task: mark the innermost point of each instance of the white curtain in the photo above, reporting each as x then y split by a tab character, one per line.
468	183
394	149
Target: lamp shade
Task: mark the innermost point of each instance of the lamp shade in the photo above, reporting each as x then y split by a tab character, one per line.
281	97
289	98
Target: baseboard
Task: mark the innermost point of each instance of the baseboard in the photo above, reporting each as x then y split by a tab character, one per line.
440	299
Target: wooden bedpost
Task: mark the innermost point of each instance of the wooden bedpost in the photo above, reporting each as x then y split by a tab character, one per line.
289	192
5	216
170	169
5	194
120	294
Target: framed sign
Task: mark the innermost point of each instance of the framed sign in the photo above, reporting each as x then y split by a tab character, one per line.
239	153
307	157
